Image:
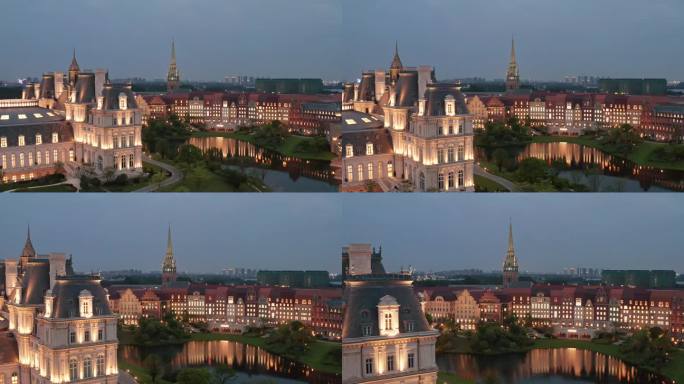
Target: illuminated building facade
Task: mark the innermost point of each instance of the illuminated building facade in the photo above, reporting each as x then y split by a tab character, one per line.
430	126
63	329
385	337
73	124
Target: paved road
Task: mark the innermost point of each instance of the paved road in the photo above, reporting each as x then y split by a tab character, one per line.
126	378
176	175
497	179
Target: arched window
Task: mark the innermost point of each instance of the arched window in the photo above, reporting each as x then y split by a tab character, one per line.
460	178
359	171
450	155
73	370
422	181
451	180
87	368
99	365
130	161
370	171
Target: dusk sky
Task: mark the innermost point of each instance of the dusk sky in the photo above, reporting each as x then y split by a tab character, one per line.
306	231
338	39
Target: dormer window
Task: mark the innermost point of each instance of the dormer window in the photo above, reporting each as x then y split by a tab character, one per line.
369	149
450	105
349	150
100	102
123	101
85	303
49	300
39	139
388	316
3	142
55	137
22	140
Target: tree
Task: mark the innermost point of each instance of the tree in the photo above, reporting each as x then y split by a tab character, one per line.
291	339
194	376
651	348
532	170
500	157
223	373
155	366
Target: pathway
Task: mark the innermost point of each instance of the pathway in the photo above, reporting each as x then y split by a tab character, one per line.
126	378
176	175
497	179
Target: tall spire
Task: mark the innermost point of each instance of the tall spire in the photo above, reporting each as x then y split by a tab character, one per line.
28	251
512	75
511	262
396	61
74	63
169	243
173	76
169	263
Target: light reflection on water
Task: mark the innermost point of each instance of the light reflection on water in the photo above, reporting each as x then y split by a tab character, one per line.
289	174
563	365
243	357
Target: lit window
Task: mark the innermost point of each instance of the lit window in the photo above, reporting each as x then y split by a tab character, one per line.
390	170
37	115
15	378
350	172
4	117
21	116
55	137
99	366
39	139
369	149
350	121
349	150
3	142
22	140
87	368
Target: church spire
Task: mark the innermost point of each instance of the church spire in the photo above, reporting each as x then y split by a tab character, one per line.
28	251
396	61
169	263
512	75
510	265
173	76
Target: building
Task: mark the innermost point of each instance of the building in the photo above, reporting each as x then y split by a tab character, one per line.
60	323
385	337
306	86
512	74
79	124
297	279
659	279
173	75
169	263
633	86
430	143
510	265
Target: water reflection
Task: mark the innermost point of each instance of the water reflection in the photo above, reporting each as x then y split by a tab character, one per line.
250	155
566	365
242	357
601	171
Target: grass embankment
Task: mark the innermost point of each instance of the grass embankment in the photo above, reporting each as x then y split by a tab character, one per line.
483	184
674	369
324	356
49	188
140	374
641	155
199	178
288	147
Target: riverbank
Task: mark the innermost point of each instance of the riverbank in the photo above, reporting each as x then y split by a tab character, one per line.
641	155
324	356
199	178
289	147
674	369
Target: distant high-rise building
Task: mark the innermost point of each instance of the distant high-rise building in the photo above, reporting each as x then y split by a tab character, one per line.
173	77
512	76
169	264
510	265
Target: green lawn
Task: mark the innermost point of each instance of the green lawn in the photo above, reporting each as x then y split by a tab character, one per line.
674	370
287	148
451	378
49	188
319	357
141	374
641	155
200	179
157	175
488	185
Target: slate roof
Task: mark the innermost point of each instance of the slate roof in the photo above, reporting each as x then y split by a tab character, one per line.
367	87
85	87
36	281
435	93
364	297
66	291
406	92
380	138
9	352
110	94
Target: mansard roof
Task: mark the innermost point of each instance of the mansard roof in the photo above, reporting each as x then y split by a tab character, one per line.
66	292
435	93
9	352
364	297
406	93
380	138
85	87
367	87
111	93
36	281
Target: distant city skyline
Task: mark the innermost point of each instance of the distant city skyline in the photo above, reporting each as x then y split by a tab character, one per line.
288	231
337	40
